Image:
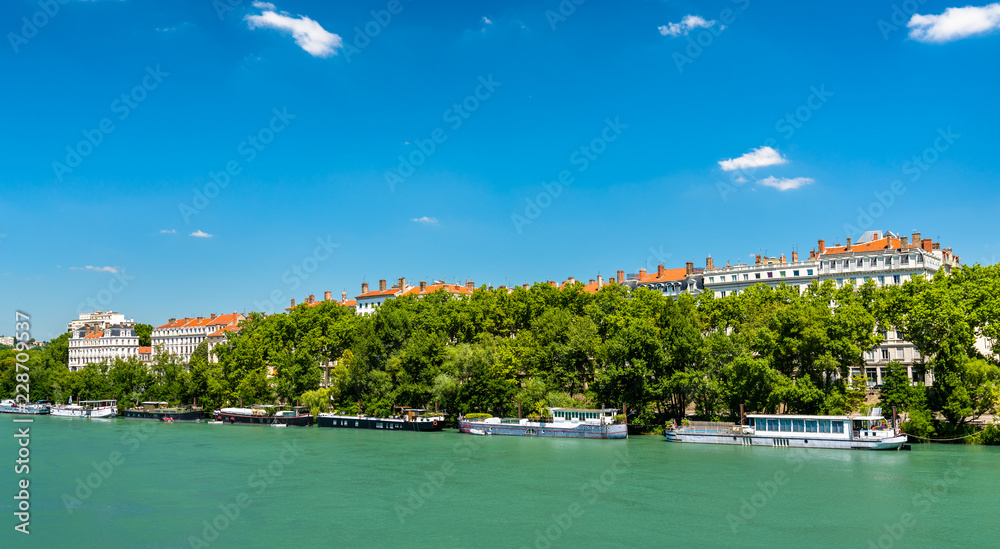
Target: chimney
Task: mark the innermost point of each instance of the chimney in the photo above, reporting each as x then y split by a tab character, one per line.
526	286
172	320
381	285
327	295
660	269
600	281
571	280
757	260
849	247
795	257
689	268
642	274
709	265
343	295
936	245
364	287
213	316
592	281
402	284
926	244
812	254
312	298
915	239
470	285
620	277
293	302
201	318
490	288
783	259
822	246
423	286
552	283
904	244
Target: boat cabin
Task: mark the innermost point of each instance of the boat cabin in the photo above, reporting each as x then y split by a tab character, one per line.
820	427
583	415
151	406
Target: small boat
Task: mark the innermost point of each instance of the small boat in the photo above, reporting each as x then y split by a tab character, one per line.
479	432
10	406
213	422
163	411
562	423
409	419
279	425
868	432
265	414
87	409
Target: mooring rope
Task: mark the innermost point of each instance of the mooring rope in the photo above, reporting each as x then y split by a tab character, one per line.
940	439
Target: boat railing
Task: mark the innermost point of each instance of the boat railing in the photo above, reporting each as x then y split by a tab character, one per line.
719	427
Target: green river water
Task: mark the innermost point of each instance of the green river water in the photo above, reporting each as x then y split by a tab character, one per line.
129	483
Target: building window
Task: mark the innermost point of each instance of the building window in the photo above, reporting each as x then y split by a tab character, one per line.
888	262
795	273
746	277
770	274
723	293
711	279
756	275
881	281
772	425
809	272
811	426
905	260
798	425
885	354
782	273
895	279
838	426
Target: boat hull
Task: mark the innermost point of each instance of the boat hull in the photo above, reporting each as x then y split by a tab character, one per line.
84	413
551	430
378	423
889	443
193	415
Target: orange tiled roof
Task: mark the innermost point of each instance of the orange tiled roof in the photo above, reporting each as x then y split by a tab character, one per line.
348	302
344	303
375	293
94	334
431	288
220	320
145	350
669	275
887	243
224	329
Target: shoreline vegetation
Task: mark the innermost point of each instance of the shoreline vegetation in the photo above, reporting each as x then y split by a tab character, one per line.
772	350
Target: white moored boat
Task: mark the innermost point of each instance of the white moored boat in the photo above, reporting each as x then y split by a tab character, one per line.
87	409
870	432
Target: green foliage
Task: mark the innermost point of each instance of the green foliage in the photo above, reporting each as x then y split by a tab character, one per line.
145	333
477	415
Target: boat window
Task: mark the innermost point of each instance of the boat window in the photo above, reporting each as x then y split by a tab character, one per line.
838	426
810	426
772	425
797	425
786	424
824	426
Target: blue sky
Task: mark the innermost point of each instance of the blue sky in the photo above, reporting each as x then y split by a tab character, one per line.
328	135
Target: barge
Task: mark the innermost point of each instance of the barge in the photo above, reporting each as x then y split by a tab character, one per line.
410	419
869	432
10	406
163	412
264	414
90	409
563	423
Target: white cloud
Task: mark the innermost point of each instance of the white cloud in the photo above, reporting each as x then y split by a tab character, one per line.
106	269
784	183
201	234
425	219
740	179
689	23
763	156
487	21
168	231
954	24
308	34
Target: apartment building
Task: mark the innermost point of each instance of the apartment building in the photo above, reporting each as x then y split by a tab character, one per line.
180	337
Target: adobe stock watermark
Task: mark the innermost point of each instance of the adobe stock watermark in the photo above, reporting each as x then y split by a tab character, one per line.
453	117
900	16
418	496
296	274
565	9
363	35
922	504
915	168
698	42
123	107
103	298
590	492
248	150
786	126
581	158
47	10
103	470
260	480
767	490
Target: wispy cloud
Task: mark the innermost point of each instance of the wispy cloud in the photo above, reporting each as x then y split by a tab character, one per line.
168	231
106	269
954	24
308	34
487	21
426	220
201	234
689	23
785	184
763	156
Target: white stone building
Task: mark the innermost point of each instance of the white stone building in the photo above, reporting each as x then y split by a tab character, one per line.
180	337
97	320
91	345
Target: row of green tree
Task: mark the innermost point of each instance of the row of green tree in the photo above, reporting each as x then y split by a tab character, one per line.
769	349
